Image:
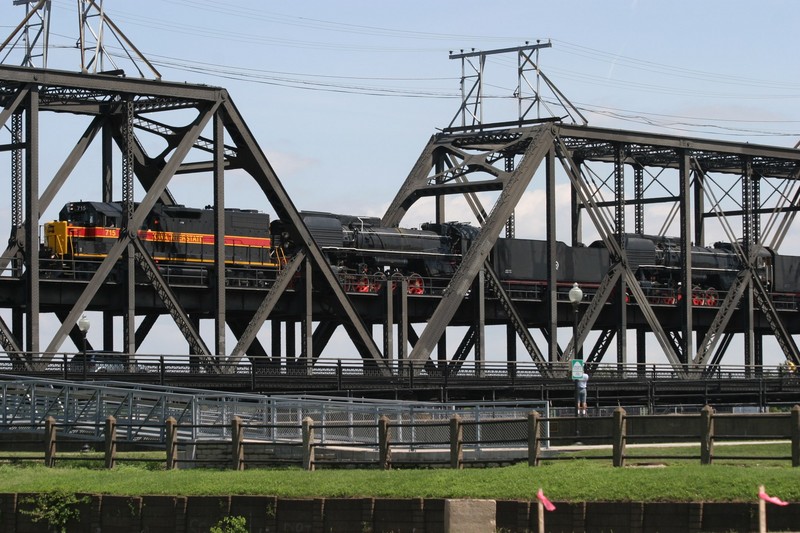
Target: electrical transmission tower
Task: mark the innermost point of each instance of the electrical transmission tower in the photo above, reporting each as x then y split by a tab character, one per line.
31	39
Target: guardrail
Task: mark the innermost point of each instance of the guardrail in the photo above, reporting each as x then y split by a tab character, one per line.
69	365
654	386
454	443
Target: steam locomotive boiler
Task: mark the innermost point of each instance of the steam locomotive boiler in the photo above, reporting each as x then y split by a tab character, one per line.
656	262
364	254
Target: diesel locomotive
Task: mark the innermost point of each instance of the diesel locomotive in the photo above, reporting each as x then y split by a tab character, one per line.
179	239
365	254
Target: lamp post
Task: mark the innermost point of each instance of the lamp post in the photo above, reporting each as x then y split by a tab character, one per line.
83	325
575	297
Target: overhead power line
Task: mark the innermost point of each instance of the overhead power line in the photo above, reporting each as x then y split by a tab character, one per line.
410	86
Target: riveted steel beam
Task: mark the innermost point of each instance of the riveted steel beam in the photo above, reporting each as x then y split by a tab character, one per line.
253	160
142	210
538	142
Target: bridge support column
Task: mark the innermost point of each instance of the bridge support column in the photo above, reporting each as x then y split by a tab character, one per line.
276	340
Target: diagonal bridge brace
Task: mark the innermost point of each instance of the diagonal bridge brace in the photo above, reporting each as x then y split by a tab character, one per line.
728	307
252	160
617	253
137	218
475	258
493	283
180	317
267	305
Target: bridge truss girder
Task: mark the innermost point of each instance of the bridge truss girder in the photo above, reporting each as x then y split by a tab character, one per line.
119	108
692	176
464	161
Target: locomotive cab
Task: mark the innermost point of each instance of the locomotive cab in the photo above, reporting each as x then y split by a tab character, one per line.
81	229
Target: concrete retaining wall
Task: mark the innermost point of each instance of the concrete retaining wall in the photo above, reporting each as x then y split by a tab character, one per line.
177	514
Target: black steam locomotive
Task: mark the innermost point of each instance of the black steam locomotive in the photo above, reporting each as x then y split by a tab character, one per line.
364	254
656	262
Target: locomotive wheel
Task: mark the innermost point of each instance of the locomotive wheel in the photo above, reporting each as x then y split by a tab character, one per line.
711	296
378	281
698	296
416	285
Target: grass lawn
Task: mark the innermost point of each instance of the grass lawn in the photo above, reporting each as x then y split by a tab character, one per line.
582	478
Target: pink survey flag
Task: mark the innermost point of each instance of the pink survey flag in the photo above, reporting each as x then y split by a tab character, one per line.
771	499
547	503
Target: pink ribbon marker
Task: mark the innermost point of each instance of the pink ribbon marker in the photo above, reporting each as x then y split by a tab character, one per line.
547	503
771	499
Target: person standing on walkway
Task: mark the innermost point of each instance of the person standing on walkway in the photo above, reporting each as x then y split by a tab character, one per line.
581	384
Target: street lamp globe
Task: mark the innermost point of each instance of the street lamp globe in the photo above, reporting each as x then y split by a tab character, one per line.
84	324
575	294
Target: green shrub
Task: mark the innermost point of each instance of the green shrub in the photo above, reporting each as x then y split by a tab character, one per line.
230	524
56	508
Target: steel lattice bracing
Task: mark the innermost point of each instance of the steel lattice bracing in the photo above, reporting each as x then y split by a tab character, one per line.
686	175
699	183
121	107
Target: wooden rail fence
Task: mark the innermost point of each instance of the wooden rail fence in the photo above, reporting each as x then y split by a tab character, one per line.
613	431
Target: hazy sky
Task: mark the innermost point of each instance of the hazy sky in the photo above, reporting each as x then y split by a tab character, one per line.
343	95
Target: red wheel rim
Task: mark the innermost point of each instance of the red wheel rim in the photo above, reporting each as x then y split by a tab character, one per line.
415	285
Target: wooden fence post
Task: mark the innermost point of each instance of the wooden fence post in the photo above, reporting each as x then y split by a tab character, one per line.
49	441
308	443
534	443
172	443
706	435
111	441
456	443
620	436
237	443
384	443
795	421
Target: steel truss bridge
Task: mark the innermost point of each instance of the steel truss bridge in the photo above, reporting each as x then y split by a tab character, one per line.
614	176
